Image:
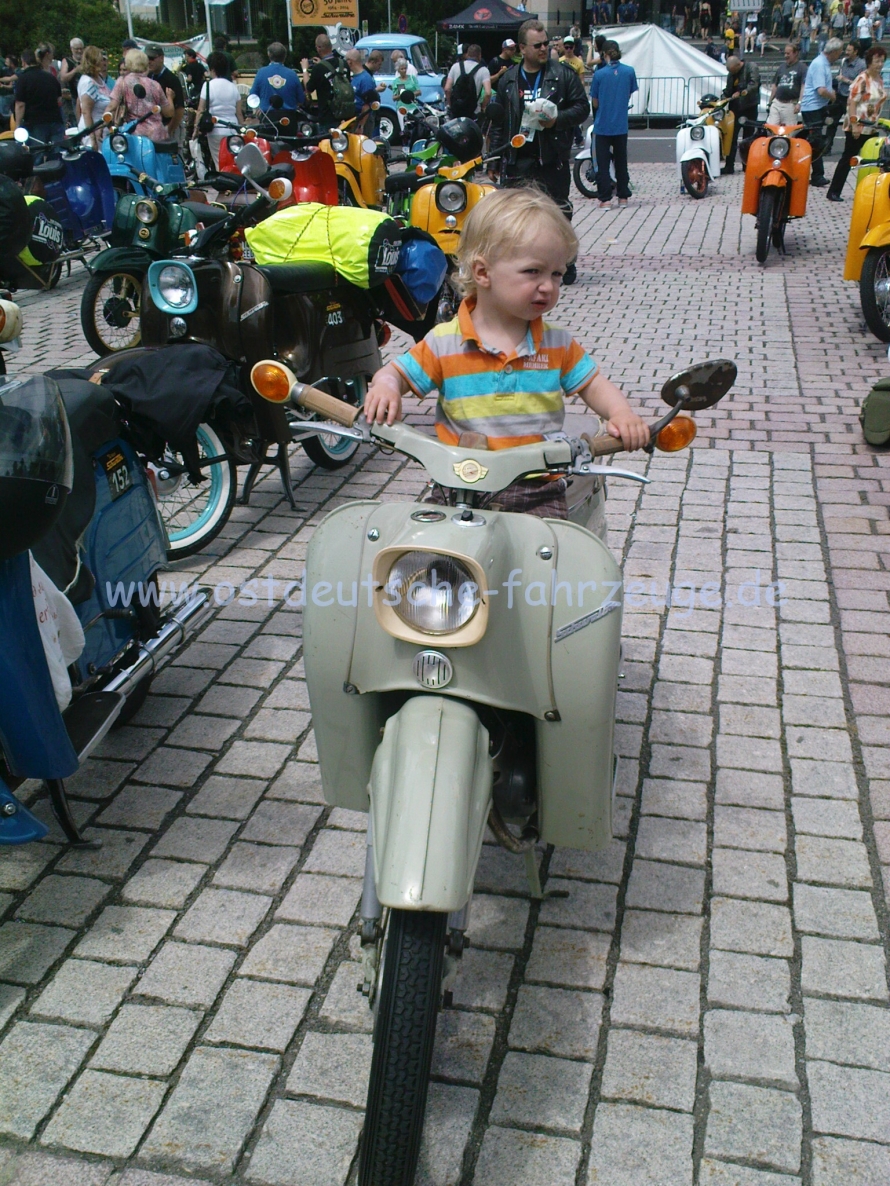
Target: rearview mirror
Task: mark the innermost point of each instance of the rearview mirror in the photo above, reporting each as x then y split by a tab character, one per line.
743	119
21	135
250	162
276	101
701	385
495	112
253	102
139	90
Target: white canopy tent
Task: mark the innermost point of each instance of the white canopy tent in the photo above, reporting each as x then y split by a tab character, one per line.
672	75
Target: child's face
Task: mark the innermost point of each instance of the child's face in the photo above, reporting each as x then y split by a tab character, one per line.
525	284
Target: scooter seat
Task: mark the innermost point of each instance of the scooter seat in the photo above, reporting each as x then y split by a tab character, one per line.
302	277
206	213
282	169
50	170
167	147
405	183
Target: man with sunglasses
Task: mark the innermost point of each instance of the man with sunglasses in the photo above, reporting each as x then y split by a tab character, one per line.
545	101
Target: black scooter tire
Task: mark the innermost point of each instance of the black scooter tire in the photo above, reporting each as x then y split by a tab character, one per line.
695	177
876	262
403	1047
92	316
579	174
766	213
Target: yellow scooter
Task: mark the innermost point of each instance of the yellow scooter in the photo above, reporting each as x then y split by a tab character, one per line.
361	170
868	245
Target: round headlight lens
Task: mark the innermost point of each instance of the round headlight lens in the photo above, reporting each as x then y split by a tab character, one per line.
147	212
307	129
779	148
339	141
235	144
432	593
697	133
717	115
176	286
118	143
451	197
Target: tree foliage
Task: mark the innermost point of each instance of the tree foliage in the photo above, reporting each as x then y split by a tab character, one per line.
96	22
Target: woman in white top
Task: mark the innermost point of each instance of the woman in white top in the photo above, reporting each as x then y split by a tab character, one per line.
222	98
93	95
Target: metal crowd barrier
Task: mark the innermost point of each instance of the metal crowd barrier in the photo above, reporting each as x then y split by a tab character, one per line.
658	98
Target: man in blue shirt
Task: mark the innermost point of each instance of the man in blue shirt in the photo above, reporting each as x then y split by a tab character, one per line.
277	79
363	85
818	94
610	91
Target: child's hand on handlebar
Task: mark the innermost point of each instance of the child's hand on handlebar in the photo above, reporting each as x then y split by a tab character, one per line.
633	431
383	402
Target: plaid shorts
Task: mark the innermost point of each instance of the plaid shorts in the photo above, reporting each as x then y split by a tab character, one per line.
547	500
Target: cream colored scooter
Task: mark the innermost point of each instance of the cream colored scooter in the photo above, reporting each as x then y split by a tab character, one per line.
462	665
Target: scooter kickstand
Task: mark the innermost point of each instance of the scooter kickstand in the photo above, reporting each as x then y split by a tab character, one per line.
283	462
536	893
62	811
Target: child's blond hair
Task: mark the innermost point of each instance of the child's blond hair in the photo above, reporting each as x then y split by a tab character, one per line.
498	224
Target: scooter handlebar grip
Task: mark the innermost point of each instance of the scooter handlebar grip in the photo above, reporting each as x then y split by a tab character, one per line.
326	405
601	446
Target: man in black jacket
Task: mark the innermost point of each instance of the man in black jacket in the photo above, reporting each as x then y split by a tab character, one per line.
743	88
545	157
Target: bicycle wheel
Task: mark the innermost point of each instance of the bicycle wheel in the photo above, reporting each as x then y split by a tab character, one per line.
874	292
109	311
194	514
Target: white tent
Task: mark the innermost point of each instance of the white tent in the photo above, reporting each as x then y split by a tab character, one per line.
672	75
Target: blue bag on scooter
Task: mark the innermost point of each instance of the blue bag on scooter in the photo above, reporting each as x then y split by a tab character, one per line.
422	264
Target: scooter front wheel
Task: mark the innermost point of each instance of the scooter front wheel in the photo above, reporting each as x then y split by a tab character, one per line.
109	311
767	211
582	183
874	292
403	1047
695	177
194	514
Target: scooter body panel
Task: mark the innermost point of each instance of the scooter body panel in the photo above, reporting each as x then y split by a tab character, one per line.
430	793
427	216
83	199
792	171
708	148
869	221
315	177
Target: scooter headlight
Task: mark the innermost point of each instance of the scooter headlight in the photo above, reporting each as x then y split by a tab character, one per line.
118	143
147	212
432	593
451	197
234	144
173	287
717	115
779	147
697	133
339	141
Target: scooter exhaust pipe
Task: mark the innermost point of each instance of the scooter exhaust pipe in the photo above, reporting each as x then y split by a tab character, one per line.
173	632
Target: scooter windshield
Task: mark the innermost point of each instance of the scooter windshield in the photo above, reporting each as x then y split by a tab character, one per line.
35	440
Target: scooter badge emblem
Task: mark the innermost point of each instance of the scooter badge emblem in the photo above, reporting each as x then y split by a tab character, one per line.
470	471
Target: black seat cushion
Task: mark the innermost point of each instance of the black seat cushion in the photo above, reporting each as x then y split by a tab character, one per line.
399	183
302	277
206	213
50	170
283	169
167	147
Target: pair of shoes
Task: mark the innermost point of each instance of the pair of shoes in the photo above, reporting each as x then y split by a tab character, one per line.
819	181
570	275
727	172
605	202
834	197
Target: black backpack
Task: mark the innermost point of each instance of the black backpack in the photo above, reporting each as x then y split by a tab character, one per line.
464	96
341	102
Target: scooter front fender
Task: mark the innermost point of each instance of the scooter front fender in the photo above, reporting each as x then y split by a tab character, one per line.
878	236
117	259
430	797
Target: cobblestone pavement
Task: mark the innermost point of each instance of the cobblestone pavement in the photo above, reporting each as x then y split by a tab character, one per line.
710	1003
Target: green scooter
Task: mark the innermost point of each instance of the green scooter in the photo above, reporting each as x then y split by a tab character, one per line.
462	665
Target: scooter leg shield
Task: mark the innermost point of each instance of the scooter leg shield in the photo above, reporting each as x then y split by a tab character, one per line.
430	796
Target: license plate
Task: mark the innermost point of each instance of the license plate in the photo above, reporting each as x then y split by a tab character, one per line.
117	472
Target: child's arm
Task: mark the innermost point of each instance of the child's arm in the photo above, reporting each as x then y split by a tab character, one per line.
383	402
608	401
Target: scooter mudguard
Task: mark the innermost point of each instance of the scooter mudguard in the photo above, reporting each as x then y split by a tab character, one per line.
32	732
430	797
693	154
870	217
17	824
117	259
754	184
878	236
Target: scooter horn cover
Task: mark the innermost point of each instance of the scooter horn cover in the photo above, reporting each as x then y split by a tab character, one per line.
362	245
45	235
15	225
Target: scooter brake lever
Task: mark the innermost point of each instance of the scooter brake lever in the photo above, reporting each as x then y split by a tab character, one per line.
609	471
316	427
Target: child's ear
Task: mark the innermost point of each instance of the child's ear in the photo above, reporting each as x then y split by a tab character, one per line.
480	273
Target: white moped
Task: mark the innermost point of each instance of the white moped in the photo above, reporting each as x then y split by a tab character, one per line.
702	142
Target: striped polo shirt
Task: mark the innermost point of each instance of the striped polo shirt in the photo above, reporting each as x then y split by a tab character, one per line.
513	398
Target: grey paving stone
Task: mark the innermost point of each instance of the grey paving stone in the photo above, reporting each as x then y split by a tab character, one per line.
290	953
463	1045
316	899
680	761
137	1177
182	681
169	767
65	901
640	1147
98	778
298	781
606	865
498	922
498	871
207	1119
671	840
282	823
290	693
223	916
749	721
674	889
225	700
677	800
36	1062
146	1040
849	1101
749	828
827	817
650	1069
840	1163
748	1123
757	927
749	982
839	1031
750	689
721	1173
751	788
754	1046
589	905
340	853
36	1168
567	958
482	979
195	839
258	867
22	863
105	1114
344	1005
679	698
200	732
125	933
333	1067
450	1112
227	798
814	710
694	728
163	883
841	913
526	1159
305	1143
837	862
834	967
28	950
84	991
351	821
118	852
828	780
671	940
739	873
657	998
187	974
256	673
256	759
278	724
556	1021
10	999
140	807
258	1014
545	1093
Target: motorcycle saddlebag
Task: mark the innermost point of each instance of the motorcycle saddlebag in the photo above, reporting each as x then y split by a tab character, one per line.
14	222
16	161
45	234
874	415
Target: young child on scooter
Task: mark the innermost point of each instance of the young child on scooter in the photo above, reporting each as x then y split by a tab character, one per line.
501	371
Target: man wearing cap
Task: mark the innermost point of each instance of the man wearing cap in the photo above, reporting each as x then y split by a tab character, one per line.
571	57
499	66
168	82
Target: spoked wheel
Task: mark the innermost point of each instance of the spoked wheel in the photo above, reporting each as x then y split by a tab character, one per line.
403	1047
695	177
874	292
345	196
195	514
767	220
388	127
584	173
328	451
109	311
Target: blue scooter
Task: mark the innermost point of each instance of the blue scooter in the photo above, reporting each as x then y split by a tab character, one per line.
73	490
130	156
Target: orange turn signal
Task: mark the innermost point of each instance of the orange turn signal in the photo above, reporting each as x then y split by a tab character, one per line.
518	140
676	435
249	136
285	121
419	170
272	381
280	189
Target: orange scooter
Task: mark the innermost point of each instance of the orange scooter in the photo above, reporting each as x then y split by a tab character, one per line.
777	179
